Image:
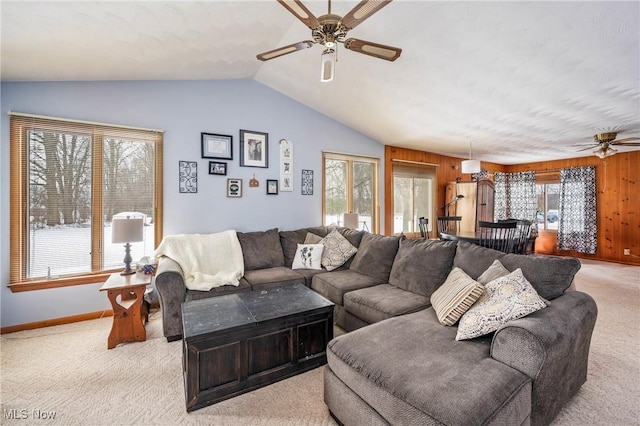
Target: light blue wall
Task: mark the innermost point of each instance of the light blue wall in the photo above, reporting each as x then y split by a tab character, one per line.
183	109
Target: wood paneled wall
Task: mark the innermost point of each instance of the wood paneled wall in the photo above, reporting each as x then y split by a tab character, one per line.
617	205
448	170
618	197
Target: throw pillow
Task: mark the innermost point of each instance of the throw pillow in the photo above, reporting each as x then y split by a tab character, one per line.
496	270
453	298
505	299
312	239
308	256
337	250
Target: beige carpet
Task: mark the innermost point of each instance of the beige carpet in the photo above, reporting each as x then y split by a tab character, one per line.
68	371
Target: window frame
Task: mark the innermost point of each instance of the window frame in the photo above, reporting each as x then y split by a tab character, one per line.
350	159
20	126
544	179
414	171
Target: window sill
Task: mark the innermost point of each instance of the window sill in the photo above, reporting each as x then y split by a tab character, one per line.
59	282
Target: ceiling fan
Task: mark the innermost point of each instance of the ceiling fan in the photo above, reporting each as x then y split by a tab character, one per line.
603	143
329	30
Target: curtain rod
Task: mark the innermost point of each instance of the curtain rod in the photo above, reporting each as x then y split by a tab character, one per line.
93	123
415	162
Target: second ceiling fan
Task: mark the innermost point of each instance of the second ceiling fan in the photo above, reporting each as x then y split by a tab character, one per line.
329	30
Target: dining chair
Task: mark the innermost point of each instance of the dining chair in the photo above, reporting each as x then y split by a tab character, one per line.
448	224
522	235
498	235
423	223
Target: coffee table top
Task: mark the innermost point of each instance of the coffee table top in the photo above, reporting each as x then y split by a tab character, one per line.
248	307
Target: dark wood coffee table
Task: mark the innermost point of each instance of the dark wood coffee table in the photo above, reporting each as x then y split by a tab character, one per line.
237	343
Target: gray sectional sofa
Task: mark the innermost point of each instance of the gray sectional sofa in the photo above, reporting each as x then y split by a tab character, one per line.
398	364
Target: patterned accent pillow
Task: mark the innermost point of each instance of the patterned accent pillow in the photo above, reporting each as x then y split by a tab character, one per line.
453	298
496	270
505	299
337	250
308	256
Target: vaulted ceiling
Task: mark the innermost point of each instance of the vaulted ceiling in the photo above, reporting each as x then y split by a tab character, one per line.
520	81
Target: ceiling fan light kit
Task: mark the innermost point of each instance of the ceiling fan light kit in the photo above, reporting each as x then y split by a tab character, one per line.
328	65
603	143
329	30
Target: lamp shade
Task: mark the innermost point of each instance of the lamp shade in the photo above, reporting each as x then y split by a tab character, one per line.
471	166
127	230
351	220
328	65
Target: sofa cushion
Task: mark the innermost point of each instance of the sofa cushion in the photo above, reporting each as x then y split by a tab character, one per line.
496	270
411	370
273	277
308	256
375	256
549	275
333	285
289	241
421	266
312	238
261	249
373	304
337	250
453	298
308	275
505	299
218	291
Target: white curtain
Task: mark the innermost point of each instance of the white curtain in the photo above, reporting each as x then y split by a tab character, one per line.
577	228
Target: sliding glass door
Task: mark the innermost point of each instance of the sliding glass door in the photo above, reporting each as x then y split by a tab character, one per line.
413	197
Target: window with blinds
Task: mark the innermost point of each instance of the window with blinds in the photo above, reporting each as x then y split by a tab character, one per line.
69	179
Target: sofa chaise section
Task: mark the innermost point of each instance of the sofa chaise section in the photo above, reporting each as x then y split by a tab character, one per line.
410	370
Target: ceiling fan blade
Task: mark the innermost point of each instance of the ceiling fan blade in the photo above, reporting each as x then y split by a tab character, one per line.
373	49
589	147
626	140
285	50
618	143
362	11
301	12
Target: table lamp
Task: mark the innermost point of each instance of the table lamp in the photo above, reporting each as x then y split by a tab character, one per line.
127	230
351	220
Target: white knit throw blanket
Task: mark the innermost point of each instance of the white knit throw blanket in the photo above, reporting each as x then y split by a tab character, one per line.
207	260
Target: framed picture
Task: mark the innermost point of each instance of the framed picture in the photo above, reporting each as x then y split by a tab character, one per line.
234	188
307	182
217	146
188	177
272	187
217	168
254	149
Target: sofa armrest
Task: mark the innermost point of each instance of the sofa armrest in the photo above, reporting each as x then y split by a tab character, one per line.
171	292
552	347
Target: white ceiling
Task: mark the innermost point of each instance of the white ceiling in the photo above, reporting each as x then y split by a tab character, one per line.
521	81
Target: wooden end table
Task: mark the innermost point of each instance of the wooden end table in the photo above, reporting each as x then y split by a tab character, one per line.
128	312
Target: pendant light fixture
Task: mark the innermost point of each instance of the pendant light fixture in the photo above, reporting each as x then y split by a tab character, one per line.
471	166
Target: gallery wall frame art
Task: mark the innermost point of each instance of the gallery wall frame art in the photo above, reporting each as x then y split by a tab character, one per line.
188	177
254	149
272	187
286	165
217	168
234	188
307	182
216	146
